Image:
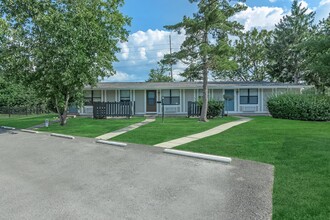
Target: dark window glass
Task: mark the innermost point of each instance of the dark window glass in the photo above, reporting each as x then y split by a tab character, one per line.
167	100
93	96
249	96
171	100
244	100
253	100
125	95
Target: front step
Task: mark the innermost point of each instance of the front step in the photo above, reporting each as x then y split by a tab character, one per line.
151	116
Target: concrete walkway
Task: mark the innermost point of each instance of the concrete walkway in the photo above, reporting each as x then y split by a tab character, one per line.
194	137
124	130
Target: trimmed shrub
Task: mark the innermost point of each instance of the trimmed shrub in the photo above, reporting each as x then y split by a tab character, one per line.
215	108
300	107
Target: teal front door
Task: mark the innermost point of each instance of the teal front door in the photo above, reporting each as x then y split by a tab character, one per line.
230	102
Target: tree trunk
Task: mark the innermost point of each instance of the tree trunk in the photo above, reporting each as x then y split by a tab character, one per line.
62	113
63	119
205	81
205	94
296	78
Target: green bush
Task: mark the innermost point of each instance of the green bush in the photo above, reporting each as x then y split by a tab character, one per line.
215	108
300	107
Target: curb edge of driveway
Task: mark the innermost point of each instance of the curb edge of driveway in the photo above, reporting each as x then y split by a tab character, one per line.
7	128
62	136
119	144
199	155
29	131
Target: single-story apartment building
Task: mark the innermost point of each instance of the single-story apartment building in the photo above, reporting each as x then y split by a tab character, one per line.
247	97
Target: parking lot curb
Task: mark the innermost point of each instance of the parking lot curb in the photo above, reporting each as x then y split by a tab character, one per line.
8	128
29	131
119	144
198	155
62	136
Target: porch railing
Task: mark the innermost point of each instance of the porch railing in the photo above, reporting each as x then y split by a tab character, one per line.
193	109
113	109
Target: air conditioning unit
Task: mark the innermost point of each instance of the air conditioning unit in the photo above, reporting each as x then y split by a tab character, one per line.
171	109
88	110
253	108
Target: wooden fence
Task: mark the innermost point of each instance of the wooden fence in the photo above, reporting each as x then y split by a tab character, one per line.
23	110
113	109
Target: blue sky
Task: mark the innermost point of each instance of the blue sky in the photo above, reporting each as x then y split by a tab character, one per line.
148	40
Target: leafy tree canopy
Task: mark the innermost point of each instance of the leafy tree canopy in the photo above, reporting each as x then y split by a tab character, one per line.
159	74
61	46
318	59
250	53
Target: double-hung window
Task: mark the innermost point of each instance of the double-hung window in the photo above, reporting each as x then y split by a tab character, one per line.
91	96
249	96
171	97
125	95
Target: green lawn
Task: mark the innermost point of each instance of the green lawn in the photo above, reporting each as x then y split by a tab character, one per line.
172	128
19	121
88	127
300	152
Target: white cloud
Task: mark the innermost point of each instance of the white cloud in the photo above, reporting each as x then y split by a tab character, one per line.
323	10
142	51
266	17
121	77
160	54
304	4
260	17
124	50
324	2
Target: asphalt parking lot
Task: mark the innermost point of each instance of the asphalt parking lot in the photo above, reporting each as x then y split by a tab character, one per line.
43	177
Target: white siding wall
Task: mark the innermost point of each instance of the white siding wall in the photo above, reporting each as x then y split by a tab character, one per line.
266	94
218	94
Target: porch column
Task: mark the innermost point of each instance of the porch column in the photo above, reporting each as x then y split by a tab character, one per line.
102	98
184	100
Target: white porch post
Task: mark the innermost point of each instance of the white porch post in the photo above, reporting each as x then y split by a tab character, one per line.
102	96
262	108
184	100
145	101
236	103
160	99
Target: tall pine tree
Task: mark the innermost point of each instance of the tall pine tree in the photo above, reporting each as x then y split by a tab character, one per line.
318	59
206	48
287	59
